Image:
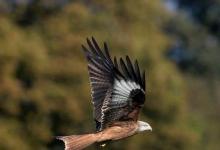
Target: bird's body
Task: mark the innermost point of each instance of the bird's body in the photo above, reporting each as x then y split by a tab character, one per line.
118	95
118	131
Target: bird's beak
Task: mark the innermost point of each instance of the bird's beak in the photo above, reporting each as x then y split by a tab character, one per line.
149	128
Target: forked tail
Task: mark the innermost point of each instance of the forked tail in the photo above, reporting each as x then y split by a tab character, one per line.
78	142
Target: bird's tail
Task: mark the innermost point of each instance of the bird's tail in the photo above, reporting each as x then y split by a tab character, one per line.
78	142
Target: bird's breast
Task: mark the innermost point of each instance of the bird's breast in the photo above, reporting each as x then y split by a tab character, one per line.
121	130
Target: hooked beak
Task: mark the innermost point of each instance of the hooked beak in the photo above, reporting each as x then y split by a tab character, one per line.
149	128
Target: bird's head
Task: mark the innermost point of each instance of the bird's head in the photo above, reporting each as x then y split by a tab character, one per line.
143	126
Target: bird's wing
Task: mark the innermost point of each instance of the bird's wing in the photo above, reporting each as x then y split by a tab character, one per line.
116	94
101	74
128	95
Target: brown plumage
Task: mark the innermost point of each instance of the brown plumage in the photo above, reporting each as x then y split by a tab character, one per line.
118	93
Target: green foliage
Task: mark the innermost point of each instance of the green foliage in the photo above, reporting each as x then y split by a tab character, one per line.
44	88
198	32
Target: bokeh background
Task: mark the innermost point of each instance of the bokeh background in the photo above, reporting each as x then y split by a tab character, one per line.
44	85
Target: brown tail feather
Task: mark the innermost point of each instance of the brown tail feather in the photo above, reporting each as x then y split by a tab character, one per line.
78	142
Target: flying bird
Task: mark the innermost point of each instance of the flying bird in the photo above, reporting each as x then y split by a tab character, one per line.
118	94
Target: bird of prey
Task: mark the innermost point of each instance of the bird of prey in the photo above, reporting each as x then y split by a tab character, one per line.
118	94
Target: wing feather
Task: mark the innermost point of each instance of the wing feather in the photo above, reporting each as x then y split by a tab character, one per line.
130	68
137	72
115	63
92	47
108	57
124	69
117	89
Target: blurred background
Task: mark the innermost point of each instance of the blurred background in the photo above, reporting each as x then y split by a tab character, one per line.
44	85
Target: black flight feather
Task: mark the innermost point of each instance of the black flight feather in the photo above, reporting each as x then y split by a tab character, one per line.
137	72
108	79
115	63
92	47
124	69
107	53
131	69
98	48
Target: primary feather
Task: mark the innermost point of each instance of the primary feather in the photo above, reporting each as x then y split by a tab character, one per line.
116	90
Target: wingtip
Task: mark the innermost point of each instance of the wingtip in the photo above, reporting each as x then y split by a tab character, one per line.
88	40
105	46
136	61
121	59
92	37
95	42
84	48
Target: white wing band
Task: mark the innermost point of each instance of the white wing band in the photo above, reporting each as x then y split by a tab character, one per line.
122	90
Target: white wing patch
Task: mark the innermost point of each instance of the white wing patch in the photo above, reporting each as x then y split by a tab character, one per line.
122	90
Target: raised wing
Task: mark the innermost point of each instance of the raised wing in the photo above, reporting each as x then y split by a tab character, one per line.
128	95
102	73
117	93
